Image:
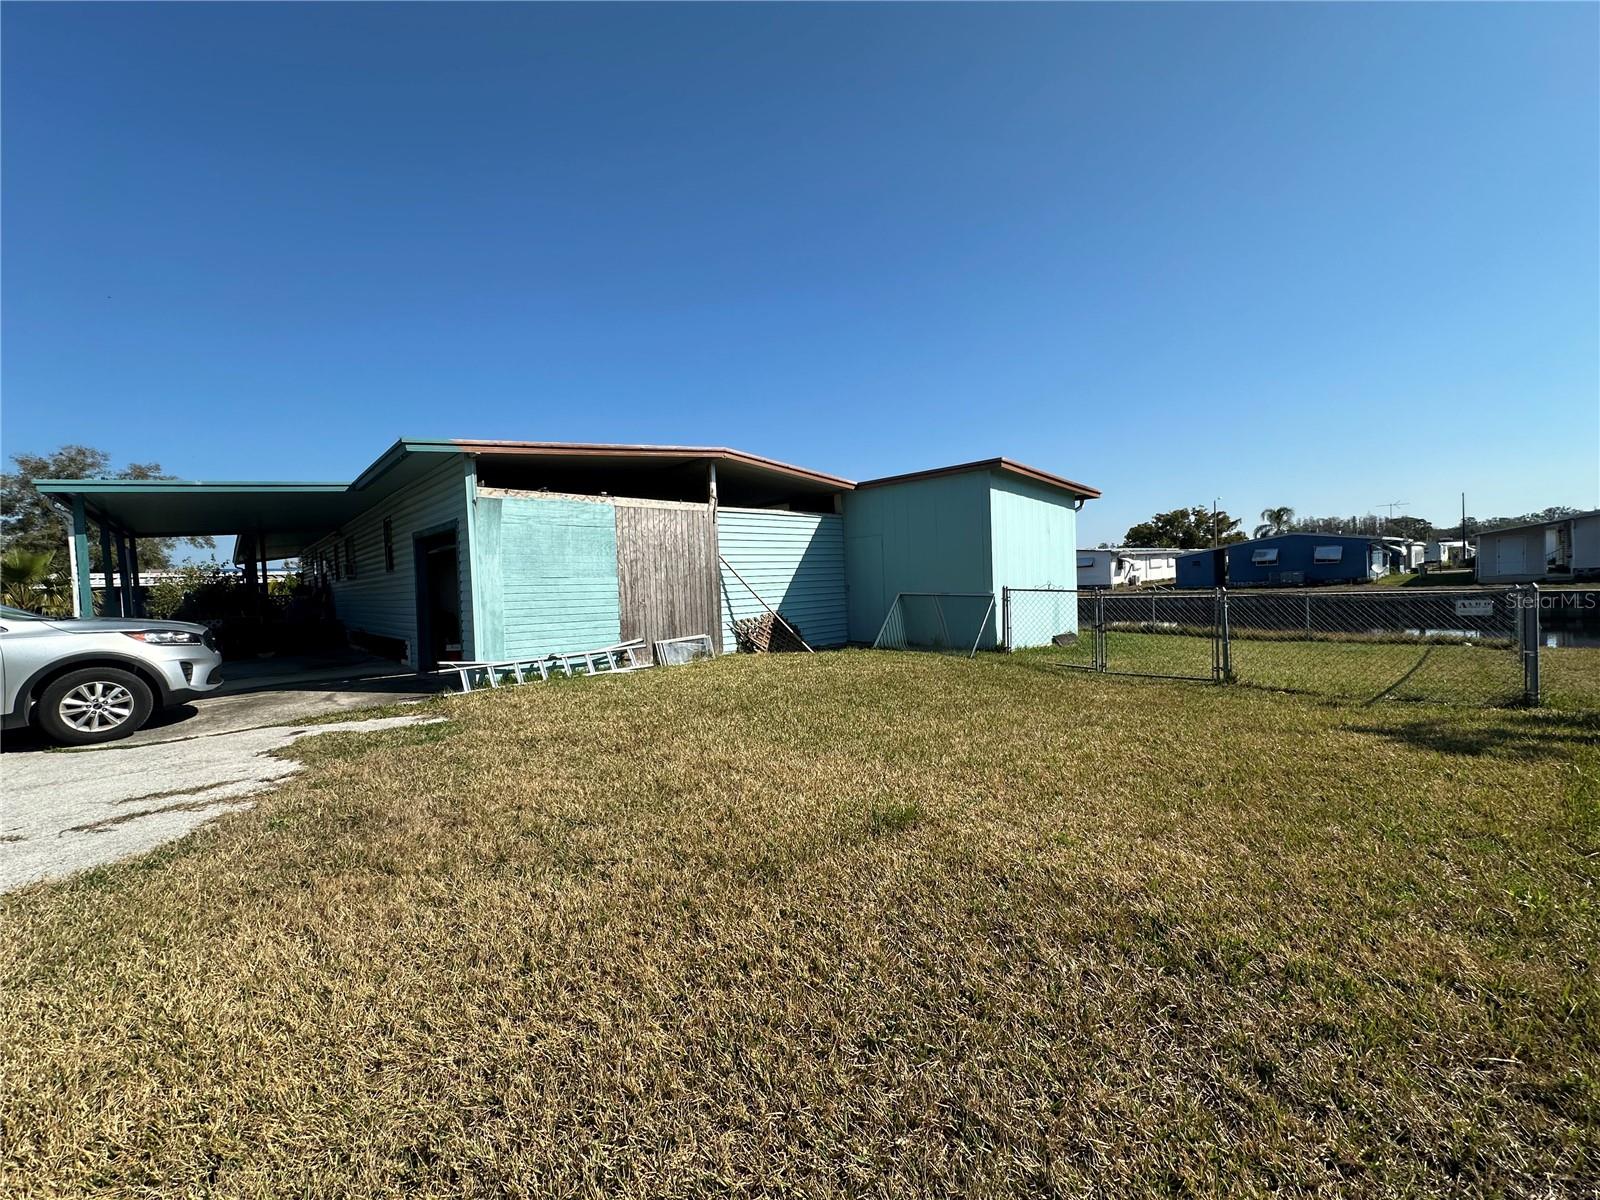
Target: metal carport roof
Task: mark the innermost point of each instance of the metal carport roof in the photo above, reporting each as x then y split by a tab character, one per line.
284	517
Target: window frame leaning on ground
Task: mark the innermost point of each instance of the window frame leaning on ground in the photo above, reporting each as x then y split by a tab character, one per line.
1465	646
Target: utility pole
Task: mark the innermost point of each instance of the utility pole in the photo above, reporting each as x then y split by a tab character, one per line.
1214	504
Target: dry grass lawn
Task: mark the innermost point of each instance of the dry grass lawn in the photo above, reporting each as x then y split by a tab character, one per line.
852	924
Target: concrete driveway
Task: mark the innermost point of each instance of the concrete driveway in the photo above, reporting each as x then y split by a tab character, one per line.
279	690
68	811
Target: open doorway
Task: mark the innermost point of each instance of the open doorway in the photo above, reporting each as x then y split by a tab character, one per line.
438	598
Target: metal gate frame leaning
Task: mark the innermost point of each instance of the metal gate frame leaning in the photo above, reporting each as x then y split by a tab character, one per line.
982	623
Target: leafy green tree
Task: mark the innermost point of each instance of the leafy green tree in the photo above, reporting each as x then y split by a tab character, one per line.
1185	529
1275	521
1417	529
29	522
197	588
1367	525
1555	513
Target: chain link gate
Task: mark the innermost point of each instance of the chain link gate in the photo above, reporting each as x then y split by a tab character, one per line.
1159	633
1473	646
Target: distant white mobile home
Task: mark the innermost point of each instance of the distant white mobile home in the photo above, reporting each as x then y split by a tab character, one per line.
1445	553
1404	553
1546	552
1124	566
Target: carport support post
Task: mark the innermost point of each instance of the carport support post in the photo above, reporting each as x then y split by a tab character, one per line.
106	565
122	569
82	592
133	574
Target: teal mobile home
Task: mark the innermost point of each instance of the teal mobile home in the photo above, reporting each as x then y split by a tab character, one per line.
488	550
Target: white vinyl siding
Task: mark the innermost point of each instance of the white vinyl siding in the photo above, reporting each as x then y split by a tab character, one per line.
384	602
795	561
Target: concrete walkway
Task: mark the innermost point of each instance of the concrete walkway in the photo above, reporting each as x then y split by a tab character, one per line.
282	700
66	812
62	812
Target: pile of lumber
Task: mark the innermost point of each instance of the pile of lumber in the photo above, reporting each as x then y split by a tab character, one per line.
766	634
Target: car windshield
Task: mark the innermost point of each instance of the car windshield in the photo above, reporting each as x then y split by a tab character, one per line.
8	613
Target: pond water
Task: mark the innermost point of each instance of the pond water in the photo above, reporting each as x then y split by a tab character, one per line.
1553	638
1570	637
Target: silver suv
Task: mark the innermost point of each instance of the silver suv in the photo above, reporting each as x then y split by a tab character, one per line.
96	680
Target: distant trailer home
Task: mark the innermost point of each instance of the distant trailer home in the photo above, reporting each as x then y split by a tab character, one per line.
1405	554
1287	560
1547	552
1445	553
493	550
1125	566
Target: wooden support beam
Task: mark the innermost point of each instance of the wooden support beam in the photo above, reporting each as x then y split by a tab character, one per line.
716	561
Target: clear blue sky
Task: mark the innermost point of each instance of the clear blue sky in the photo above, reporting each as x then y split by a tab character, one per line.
1314	256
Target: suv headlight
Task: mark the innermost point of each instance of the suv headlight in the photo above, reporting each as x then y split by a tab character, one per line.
164	637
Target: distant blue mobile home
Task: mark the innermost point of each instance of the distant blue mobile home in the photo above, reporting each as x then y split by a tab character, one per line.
1287	560
1202	568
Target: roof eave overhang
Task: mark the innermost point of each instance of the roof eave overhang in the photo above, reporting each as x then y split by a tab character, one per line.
582	450
1010	466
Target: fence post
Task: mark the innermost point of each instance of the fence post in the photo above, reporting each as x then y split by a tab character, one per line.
1099	629
1005	617
1223	632
1529	605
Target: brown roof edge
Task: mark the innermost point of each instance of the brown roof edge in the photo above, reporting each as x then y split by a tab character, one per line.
605	450
991	464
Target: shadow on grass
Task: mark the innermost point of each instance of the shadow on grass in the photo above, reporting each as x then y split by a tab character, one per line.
1528	735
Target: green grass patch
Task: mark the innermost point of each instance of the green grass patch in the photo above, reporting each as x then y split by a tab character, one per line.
1426	579
841	924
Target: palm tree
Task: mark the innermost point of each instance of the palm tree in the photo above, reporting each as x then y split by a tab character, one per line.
1274	521
29	581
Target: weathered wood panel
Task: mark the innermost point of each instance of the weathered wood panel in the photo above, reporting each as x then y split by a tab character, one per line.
666	571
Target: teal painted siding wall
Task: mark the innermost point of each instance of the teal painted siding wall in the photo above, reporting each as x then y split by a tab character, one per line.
795	561
385	602
925	535
1034	536
547	575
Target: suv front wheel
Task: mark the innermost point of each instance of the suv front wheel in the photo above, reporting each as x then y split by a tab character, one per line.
94	704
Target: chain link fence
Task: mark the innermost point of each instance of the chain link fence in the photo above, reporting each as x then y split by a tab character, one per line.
1468	646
